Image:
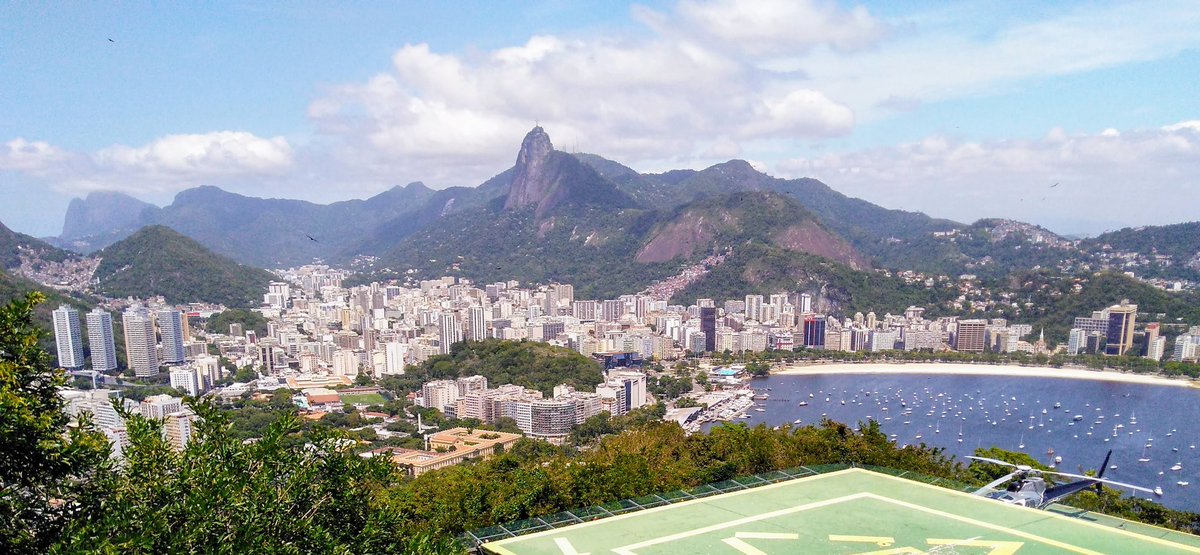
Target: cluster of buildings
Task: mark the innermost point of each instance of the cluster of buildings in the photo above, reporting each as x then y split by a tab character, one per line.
178	420
152	339
1111	331
538	417
319	328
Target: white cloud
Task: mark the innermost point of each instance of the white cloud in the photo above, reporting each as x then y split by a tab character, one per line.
773	27
164	166
32	157
696	84
200	155
1136	176
947	55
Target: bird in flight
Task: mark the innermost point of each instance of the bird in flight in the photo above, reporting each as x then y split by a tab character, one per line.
110	40
1055	185
310	238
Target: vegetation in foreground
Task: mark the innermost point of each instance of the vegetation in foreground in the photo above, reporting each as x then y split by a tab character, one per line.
307	492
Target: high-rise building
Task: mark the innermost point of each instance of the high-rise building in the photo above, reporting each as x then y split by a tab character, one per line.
708	326
170	327
1152	333
100	340
806	303
179	428
814	331
185	379
68	337
141	353
345	363
396	357
612	310
157	407
970	337
754	307
1076	341
566	292
448	333
476	325
1120	328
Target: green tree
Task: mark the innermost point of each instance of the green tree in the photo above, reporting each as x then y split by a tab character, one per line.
44	464
759	369
222	495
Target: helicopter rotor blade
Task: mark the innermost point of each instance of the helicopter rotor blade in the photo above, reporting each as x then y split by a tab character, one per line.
1000	462
1101	480
998	481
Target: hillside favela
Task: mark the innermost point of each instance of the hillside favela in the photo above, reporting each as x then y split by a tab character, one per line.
696	277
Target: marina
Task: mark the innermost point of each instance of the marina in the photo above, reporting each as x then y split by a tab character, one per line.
1067	424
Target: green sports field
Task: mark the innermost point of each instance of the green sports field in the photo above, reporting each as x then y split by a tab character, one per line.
853	511
362	398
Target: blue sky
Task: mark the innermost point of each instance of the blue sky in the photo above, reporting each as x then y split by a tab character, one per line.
961	110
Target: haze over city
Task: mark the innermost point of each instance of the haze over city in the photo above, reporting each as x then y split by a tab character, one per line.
1026	111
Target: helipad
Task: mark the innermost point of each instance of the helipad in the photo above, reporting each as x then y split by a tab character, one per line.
853	511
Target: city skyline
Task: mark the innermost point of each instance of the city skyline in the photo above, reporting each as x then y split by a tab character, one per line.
330	107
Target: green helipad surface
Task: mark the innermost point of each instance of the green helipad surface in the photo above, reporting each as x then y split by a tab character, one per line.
852	511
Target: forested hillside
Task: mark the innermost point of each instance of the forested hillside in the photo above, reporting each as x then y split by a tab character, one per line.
159	261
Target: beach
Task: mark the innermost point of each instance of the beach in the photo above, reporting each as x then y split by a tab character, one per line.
959	369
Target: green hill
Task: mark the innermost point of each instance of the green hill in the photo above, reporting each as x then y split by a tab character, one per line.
159	261
14	244
529	364
1055	302
715	223
837	289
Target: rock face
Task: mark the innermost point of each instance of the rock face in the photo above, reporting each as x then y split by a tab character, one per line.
551	181
531	184
100	213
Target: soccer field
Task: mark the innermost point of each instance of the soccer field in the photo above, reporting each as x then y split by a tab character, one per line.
853	511
363	398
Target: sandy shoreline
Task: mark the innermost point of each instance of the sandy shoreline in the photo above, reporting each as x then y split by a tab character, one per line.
958	369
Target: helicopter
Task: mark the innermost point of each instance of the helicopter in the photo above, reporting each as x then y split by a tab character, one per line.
1030	489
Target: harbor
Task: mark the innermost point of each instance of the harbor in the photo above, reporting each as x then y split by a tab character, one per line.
1065	424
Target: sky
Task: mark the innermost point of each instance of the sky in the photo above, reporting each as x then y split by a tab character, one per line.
961	110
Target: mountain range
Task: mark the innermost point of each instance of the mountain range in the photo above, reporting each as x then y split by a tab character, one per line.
608	229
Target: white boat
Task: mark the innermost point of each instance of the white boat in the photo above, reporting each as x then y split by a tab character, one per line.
1177	467
1145	457
1181	483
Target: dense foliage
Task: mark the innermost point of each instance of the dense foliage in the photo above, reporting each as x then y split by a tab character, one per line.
529	364
45	466
249	319
655	457
159	261
221	495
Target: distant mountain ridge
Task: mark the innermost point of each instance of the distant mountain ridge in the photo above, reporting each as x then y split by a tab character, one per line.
553	212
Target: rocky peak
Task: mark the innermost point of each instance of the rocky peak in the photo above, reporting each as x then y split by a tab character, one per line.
530	184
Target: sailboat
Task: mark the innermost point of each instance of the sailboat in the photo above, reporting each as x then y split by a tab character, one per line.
1145	456
1021	444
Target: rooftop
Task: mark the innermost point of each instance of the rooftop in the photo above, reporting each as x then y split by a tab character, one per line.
846	511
